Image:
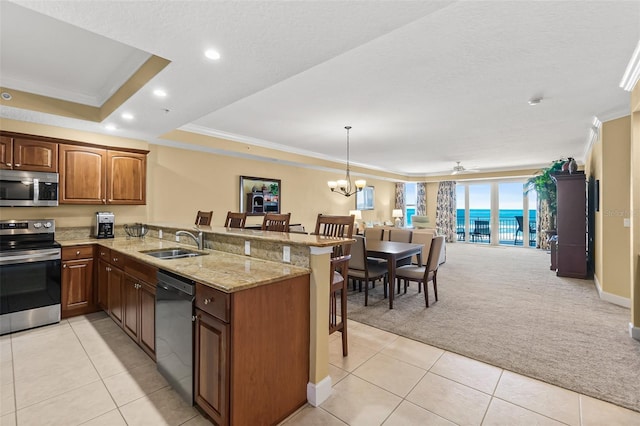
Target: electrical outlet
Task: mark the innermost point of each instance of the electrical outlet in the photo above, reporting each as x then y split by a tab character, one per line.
286	254
177	238
627	222
160	234
247	248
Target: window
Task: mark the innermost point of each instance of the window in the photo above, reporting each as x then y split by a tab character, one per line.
410	199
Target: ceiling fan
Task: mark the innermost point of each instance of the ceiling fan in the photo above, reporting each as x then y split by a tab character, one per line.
458	169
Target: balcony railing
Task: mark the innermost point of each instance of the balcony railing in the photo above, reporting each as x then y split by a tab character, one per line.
507	230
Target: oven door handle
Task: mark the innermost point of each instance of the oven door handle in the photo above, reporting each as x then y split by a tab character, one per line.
28	257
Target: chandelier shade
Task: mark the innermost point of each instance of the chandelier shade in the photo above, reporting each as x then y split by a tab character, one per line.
344	186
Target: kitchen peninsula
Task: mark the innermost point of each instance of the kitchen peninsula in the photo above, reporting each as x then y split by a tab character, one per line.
271	318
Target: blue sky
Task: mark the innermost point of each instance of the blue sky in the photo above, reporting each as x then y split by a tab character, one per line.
510	196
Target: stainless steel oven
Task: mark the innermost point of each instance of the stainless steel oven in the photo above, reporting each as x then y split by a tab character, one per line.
28	189
29	274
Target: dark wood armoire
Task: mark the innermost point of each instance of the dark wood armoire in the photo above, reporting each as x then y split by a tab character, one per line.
571	250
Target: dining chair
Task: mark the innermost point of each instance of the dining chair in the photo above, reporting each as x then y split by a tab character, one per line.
424	273
424	238
373	233
338	226
400	235
362	270
204	218
235	220
276	222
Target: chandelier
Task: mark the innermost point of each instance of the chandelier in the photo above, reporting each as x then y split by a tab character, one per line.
344	186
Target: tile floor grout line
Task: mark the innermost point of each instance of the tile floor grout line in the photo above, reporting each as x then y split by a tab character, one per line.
99	375
530	410
486	410
13	383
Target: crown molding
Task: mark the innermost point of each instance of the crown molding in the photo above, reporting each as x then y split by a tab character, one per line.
632	73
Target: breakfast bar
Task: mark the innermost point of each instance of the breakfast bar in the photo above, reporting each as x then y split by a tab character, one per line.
264	314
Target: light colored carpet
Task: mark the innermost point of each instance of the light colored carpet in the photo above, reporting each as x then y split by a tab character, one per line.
503	306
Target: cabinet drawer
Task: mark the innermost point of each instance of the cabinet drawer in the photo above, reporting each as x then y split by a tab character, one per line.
141	270
78	252
213	302
103	253
116	259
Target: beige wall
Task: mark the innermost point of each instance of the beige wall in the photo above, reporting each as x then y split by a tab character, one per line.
180	182
634	252
593	170
615	206
184	181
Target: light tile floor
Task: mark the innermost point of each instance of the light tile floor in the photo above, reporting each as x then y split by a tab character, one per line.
85	370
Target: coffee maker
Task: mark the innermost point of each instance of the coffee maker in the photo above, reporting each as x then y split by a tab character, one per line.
104	225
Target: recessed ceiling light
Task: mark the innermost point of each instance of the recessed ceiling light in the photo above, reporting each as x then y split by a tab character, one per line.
534	101
212	54
127	116
6	96
160	93
110	127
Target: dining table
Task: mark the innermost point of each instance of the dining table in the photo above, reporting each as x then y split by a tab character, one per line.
392	252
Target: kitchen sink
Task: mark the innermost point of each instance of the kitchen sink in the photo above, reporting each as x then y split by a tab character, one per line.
173	253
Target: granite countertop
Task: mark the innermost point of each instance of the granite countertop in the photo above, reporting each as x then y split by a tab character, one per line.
257	234
223	271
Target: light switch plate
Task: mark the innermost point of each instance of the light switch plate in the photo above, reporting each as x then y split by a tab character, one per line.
247	248
160	233
286	254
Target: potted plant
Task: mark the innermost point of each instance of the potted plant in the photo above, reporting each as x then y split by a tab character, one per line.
544	185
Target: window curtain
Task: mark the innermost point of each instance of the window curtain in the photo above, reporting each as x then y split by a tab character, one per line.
421	202
400	203
446	211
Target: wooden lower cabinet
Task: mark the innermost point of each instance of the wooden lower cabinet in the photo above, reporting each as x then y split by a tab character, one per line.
128	296
252	352
139	300
115	285
77	281
211	375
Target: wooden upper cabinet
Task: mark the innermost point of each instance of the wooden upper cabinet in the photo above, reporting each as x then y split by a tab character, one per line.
6	152
126	177
82	175
28	154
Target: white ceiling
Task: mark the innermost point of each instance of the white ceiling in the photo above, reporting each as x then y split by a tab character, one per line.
424	84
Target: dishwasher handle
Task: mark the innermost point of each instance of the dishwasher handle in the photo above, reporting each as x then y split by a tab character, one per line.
175	284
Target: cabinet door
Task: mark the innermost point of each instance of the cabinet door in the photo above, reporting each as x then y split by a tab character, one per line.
6	152
116	282
82	175
131	300
77	285
34	155
126	177
211	373
147	334
103	285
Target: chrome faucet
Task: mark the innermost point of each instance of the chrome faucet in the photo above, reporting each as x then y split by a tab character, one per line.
199	239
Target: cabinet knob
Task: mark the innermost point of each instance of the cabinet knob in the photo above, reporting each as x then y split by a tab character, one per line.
77	252
194	318
8	164
17	165
104	201
209	300
64	265
115	259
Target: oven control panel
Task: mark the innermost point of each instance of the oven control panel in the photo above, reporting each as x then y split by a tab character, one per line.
31	226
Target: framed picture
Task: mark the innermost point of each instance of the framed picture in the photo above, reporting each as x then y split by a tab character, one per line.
364	198
260	195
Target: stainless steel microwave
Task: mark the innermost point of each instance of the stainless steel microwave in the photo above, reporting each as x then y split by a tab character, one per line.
28	189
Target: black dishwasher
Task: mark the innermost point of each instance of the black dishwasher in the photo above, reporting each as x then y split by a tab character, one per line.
174	332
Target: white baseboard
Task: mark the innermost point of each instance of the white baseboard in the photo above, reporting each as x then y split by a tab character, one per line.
625	302
634	332
317	393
